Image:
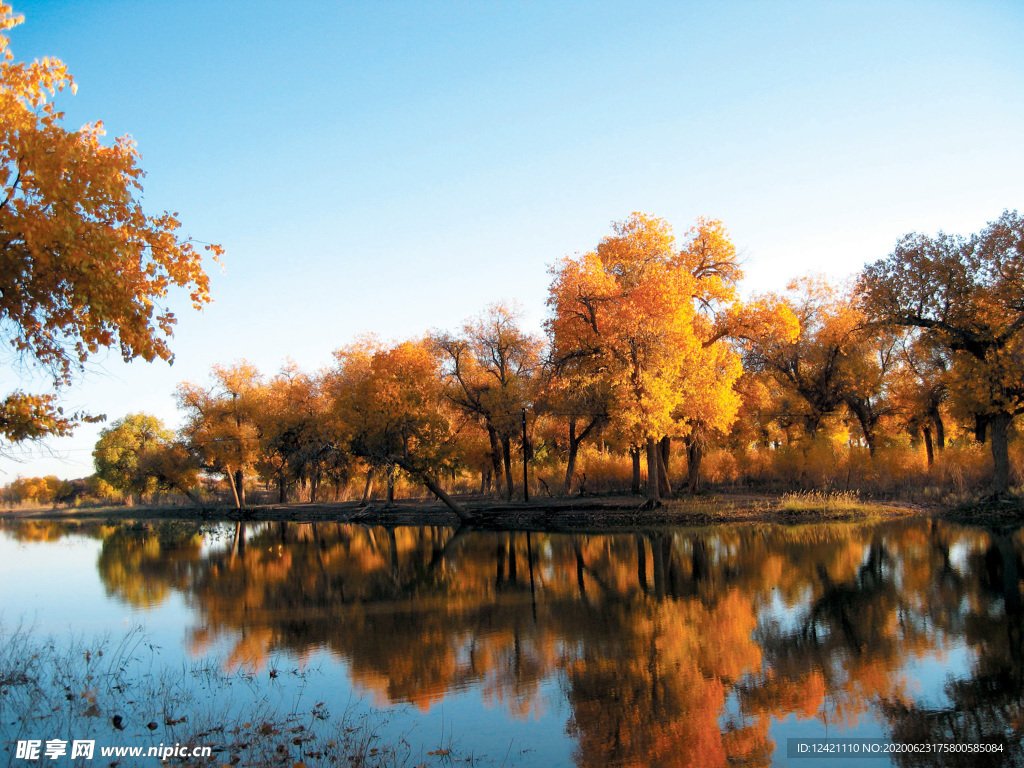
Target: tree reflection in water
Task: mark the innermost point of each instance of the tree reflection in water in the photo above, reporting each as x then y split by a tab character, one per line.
673	647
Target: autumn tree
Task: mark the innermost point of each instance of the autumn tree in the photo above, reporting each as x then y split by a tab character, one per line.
82	266
921	390
966	295
641	317
39	489
867	395
173	467
389	404
489	369
761	421
811	364
297	445
835	364
582	400
619	314
221	422
711	404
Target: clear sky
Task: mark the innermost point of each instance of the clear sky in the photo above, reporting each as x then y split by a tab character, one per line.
396	166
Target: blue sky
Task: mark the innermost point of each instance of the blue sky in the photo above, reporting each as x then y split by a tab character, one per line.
396	166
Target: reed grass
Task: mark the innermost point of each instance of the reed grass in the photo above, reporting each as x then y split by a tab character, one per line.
115	692
827	504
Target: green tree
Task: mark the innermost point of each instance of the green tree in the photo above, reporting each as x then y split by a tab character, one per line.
137	455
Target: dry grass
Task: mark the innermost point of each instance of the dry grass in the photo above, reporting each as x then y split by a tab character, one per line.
116	693
826	504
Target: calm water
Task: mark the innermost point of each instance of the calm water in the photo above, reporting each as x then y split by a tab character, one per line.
667	647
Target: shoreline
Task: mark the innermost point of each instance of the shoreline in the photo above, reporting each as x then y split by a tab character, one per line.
553	514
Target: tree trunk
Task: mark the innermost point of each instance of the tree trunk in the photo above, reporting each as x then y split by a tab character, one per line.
513	566
282	492
368	488
570	465
391	485
234	488
928	448
666	452
940	430
673	578
574	446
981	428
570	469
239	483
499	473
664	488
1008	568
499	576
529	568
658	556
191	496
581	583
653	486
238	544
393	547
506	453
1000	424
434	487
869	437
694	455
634	454
700	562
866	418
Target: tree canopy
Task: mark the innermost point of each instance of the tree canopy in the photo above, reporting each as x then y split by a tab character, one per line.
222	422
82	266
966	295
489	371
643	318
137	454
648	342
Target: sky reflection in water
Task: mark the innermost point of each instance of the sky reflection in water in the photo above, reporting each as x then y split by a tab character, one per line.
667	647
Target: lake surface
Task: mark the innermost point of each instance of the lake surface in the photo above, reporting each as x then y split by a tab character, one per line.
665	647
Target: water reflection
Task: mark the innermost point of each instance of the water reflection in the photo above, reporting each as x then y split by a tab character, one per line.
673	647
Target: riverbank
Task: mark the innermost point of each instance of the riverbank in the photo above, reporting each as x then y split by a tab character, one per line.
599	512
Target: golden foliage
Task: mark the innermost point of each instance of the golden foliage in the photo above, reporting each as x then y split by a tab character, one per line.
84	267
221	421
389	405
629	314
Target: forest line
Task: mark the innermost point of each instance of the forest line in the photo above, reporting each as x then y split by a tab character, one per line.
897	379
